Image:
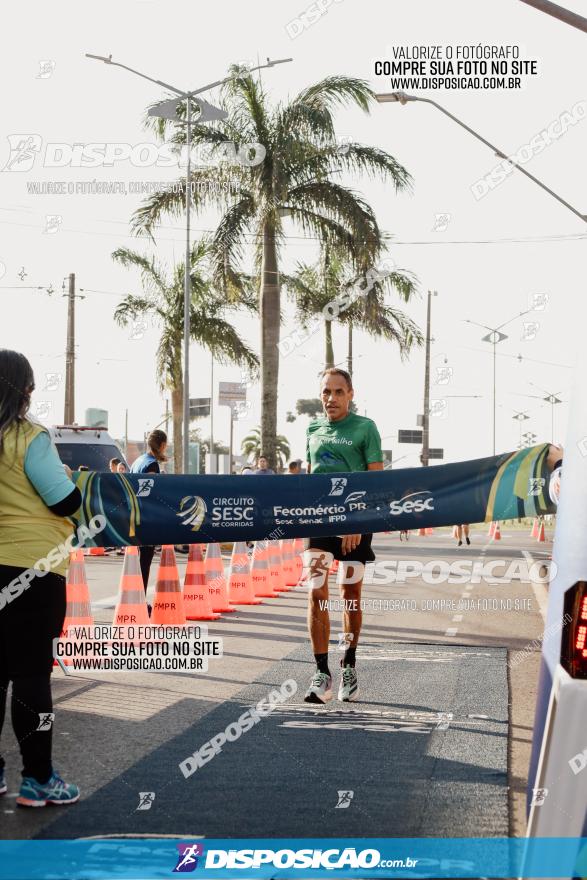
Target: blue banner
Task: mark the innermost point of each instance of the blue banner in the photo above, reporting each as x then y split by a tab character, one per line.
187	509
292	858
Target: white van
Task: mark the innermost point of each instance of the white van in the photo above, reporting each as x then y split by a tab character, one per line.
78	445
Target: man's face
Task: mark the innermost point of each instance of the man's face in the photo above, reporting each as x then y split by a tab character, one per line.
336	397
262	464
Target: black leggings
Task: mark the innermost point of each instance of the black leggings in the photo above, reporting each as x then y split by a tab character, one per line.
28	625
146	558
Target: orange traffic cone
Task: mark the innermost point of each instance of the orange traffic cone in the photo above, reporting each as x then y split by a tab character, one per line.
429	531
534	532
497	532
422	533
240	585
298	549
78	611
214	568
95	551
196	595
168	603
132	602
275	570
491	530
541	535
290	569
262	584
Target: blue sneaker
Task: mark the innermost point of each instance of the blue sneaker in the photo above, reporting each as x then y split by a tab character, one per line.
54	791
3	786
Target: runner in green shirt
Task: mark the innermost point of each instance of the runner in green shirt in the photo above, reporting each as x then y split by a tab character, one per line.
339	441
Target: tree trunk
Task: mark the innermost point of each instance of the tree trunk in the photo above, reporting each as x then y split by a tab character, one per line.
270	308
177	412
329	350
349	359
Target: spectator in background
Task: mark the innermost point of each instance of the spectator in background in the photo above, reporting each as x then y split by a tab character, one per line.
263	466
294	467
246	470
113	464
121	468
36	498
149	463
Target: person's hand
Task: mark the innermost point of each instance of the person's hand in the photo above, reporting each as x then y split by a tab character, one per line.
67	470
555	453
350	542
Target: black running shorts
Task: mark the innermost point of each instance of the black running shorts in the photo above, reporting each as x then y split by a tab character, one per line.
361	553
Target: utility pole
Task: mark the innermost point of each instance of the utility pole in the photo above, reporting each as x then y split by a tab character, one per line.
349	360
126	434
231	441
69	409
425	457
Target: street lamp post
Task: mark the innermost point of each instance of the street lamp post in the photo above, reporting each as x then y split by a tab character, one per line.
552	398
425	458
520	417
207	113
559	12
403	98
495	336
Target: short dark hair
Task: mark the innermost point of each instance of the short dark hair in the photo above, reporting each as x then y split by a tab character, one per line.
336	371
262	455
114	461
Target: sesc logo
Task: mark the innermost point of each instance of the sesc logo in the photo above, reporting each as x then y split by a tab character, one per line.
233	511
418	505
192	510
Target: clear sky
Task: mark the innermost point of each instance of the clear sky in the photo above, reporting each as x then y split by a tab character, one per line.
486	260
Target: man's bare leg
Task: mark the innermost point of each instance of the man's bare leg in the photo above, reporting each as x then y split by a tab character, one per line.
350	582
317	564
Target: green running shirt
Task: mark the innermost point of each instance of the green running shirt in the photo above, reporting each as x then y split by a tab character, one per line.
350	444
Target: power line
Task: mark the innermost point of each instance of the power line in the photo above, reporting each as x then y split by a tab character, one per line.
387	236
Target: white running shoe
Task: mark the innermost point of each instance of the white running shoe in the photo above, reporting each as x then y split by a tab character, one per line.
320	690
349	687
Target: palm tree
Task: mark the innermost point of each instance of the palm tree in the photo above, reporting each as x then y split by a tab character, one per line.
293	181
163	297
314	287
251	446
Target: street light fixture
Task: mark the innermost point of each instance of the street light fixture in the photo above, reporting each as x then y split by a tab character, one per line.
552	399
520	417
494	337
403	98
205	113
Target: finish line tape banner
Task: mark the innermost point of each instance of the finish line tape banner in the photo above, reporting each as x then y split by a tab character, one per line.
368	858
190	509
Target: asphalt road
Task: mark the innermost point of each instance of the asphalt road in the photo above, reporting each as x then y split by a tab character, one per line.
438	743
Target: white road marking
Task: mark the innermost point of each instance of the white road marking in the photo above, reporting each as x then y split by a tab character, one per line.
540	591
108	602
451	631
457	618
